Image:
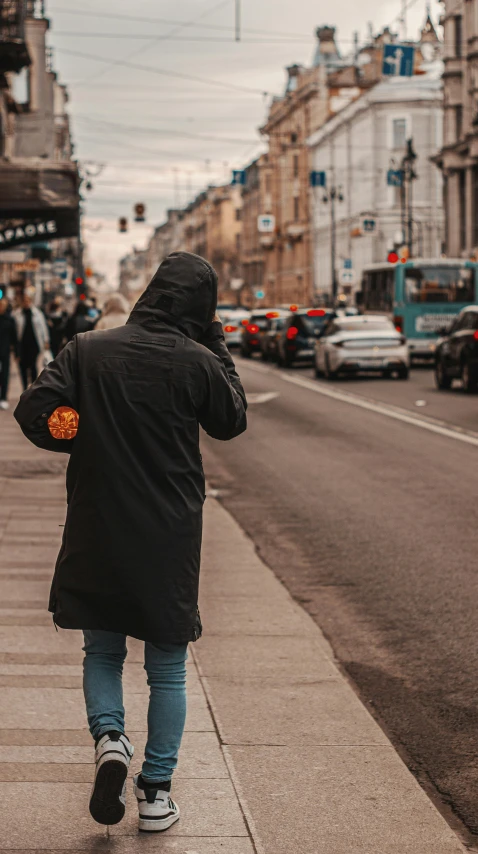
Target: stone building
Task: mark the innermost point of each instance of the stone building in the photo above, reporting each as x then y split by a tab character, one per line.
256	200
356	149
312	96
458	158
39	180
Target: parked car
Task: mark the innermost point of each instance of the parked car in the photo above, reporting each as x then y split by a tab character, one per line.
233	323
457	351
251	334
270	337
352	345
296	342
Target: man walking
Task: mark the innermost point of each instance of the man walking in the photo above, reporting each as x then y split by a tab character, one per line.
129	561
33	338
8	343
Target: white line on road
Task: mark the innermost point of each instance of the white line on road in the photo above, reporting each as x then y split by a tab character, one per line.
381	409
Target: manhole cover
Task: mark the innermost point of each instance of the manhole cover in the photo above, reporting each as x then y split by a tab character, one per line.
32	468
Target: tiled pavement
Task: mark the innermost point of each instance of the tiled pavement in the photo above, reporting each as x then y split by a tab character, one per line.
45	749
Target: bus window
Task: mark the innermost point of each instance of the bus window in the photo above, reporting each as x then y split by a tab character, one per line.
439	284
378	290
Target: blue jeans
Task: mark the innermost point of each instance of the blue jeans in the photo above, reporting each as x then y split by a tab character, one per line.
165	665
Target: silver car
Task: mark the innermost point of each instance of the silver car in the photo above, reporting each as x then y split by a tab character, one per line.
367	343
233	323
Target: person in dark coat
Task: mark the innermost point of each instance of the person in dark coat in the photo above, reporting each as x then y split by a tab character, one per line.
130	557
56	318
8	344
78	322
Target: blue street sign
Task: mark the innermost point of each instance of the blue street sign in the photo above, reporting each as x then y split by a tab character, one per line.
260	294
318	179
394	177
239	177
398	60
347	263
369	225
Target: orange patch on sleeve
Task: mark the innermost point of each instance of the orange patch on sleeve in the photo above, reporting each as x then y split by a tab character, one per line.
63	423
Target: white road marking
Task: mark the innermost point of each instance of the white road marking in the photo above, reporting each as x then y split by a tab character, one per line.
390	411
262	397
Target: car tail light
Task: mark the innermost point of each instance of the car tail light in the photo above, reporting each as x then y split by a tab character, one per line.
316	312
398	324
292	333
244	323
271	315
293	308
253	329
475	335
230	329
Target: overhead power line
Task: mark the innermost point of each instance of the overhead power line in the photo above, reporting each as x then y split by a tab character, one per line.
134	128
164	73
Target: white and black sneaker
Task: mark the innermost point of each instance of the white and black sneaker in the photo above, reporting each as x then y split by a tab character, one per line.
108	798
157	810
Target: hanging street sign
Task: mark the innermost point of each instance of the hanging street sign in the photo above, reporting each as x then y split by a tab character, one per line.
239	176
369	225
347	277
347	263
318	179
395	177
266	223
398	60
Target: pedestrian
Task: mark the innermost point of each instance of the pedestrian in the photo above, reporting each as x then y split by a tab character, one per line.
129	561
8	343
56	318
115	313
79	321
33	338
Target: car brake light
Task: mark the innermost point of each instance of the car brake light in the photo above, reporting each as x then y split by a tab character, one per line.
398	324
271	315
292	333
230	329
293	308
253	329
245	322
316	312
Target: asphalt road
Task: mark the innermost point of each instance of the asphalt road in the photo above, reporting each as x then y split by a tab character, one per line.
370	522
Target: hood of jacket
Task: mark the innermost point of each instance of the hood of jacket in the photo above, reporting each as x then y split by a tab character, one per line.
183	292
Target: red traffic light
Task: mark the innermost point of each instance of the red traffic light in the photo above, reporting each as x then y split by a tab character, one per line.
392	258
79	281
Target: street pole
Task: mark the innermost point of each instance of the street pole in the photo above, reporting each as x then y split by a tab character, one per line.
410	214
333	244
238	20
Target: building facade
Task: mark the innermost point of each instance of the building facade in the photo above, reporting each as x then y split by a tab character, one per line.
312	96
356	149
458	158
39	180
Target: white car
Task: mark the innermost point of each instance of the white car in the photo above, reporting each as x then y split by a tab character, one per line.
352	345
233	323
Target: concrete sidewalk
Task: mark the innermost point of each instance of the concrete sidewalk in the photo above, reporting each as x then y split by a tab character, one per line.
279	755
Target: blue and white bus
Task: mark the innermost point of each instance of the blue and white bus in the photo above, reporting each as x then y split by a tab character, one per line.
422	297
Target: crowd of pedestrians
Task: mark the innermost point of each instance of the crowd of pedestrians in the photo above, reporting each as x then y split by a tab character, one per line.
34	336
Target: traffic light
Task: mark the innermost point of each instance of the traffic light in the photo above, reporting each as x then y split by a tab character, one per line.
80	288
122	224
139	212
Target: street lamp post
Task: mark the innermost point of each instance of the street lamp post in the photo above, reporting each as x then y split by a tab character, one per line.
333	195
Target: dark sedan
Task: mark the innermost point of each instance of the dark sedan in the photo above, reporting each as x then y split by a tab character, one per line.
457	352
301	329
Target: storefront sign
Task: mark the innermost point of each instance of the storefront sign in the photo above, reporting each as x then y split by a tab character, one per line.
61	224
29	266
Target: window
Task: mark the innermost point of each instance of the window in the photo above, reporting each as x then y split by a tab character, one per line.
474	182
378	290
399	133
462	206
439	284
238	242
296	208
296	165
458	35
238	214
458	121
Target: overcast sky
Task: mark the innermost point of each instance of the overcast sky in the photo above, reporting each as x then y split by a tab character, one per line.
161	136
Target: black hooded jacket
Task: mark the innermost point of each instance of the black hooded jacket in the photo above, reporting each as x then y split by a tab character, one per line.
130	556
